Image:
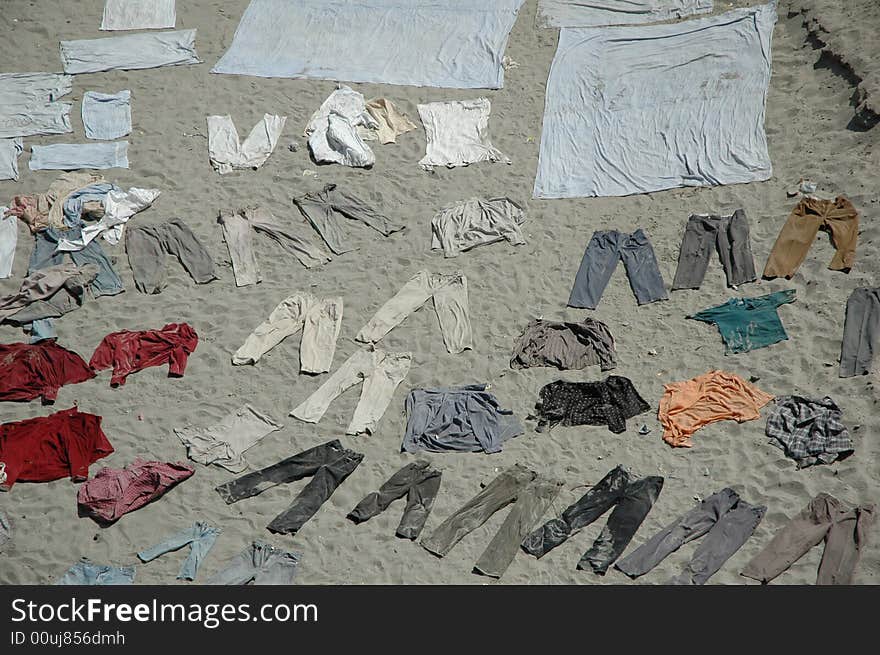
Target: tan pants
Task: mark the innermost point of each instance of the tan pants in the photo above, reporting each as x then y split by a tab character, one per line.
838	216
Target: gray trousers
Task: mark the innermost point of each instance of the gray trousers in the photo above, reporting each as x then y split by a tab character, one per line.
844	531
729	236
605	249
861	332
419	483
259	563
320	209
147	246
727	523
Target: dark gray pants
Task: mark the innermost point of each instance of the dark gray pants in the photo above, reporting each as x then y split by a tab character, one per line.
147	246
729	236
419	483
605	249
727	523
320	210
861	332
259	563
328	464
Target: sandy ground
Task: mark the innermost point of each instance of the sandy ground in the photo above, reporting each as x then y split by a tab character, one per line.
809	110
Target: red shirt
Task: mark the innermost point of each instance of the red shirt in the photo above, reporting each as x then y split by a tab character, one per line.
28	371
129	352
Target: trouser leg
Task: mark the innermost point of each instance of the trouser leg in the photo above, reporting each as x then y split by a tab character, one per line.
597	265
317	209
693	254
843	546
308	254
861	332
353	370
378	390
642	269
146	257
356	209
238	236
392	489
411	296
735	250
285	320
180	242
451	305
321	327
419	501
793	242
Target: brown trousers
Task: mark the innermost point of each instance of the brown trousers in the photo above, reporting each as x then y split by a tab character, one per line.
838	216
845	532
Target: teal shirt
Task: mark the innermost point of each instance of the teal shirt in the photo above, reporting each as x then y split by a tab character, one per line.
748	323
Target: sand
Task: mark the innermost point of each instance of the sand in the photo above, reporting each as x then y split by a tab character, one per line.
809	114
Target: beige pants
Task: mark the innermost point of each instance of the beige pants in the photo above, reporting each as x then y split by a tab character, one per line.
320	321
381	373
450	302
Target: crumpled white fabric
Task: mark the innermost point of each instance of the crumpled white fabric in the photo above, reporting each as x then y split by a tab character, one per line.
333	130
119	206
8	241
227	153
458	133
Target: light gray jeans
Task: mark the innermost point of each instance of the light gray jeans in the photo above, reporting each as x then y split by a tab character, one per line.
259	563
861	332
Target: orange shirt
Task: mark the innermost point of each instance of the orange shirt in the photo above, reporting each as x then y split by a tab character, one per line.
714	396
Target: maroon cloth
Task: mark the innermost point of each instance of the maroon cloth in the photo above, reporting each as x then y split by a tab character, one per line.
129	352
52	447
114	492
28	371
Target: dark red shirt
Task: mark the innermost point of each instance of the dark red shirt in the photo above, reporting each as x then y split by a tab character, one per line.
28	371
129	352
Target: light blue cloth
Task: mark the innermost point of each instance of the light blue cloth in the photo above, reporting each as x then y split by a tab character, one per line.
73	156
107	282
199	536
443	43
27	104
130	52
85	572
106	116
73	204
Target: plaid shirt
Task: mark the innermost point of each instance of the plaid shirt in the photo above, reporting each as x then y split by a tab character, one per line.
810	431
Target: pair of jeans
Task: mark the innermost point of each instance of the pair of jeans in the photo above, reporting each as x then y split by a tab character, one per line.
328	465
200	538
605	249
861	332
419	483
729	236
147	246
844	531
259	563
450	296
727	523
632	499
85	572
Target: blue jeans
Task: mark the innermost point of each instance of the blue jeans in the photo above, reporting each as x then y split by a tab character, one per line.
85	572
199	536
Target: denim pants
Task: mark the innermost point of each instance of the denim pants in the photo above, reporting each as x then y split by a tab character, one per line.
631	498
328	464
85	572
605	249
861	332
259	563
200	538
729	236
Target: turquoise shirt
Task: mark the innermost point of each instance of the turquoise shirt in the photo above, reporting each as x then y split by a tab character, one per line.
748	323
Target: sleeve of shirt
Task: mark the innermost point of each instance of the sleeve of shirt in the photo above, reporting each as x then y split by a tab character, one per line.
615	417
177	361
782	297
102	358
710	315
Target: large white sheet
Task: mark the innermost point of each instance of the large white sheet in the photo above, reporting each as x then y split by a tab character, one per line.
577	13
640	109
442	43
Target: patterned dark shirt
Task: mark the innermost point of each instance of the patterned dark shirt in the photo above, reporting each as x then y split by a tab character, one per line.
609	402
810	431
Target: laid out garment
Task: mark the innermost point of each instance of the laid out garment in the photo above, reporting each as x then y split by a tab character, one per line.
74	156
323	208
605	249
844	530
147	245
115	207
564	345
728	236
532	493
419	483
748	323
8	241
464	419
259	564
61	287
861	332
687	406
320	320
809	430
106	116
381	373
128	352
328	465
609	402
29	371
52	447
390	121
5	528
130	52
225	442
86	572
457	133
632	499
476	222
28	107
238	231
113	493
45	253
334	130
10	149
839	217
200	538
723	518
449	293
138	14
227	152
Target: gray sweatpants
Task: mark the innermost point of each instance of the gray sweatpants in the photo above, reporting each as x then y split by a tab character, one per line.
861	332
320	210
726	521
259	563
147	246
729	236
605	249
